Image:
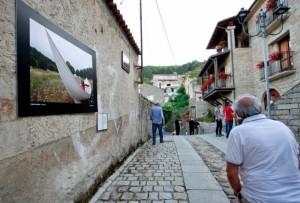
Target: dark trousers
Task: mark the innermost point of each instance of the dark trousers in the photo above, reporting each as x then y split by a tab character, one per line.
154	128
177	130
219	128
191	131
229	125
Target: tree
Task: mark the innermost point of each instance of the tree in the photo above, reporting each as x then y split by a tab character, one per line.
177	107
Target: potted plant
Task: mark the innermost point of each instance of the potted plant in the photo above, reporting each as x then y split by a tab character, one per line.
203	87
223	75
260	65
274	56
270	5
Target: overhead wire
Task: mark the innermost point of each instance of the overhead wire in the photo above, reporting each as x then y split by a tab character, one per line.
166	34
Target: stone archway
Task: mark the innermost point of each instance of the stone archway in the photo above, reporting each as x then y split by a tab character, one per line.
274	96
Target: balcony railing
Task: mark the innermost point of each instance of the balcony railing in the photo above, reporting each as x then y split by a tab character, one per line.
284	64
220	84
272	16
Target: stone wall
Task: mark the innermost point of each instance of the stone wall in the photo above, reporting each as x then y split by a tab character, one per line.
243	68
287	110
60	158
207	128
152	93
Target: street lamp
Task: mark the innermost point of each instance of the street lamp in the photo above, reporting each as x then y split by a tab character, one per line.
262	32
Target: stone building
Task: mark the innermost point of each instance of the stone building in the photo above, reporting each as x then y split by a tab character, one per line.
284	68
223	76
62	158
246	73
168	82
284	57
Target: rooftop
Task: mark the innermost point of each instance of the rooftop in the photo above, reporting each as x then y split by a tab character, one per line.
121	22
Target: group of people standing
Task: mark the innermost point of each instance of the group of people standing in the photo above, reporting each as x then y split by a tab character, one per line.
228	113
186	125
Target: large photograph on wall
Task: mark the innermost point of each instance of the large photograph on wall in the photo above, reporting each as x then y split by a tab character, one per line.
56	72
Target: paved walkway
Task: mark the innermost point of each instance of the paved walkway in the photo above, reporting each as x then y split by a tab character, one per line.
171	172
219	142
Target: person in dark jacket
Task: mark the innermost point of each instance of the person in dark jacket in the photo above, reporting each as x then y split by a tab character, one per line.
177	127
192	126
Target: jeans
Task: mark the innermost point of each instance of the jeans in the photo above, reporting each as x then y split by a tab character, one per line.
229	125
219	128
154	128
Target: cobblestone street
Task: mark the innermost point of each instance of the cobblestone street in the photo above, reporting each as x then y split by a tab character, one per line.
156	174
153	176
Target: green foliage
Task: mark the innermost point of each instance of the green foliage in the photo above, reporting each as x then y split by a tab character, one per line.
85	73
181	100
176	107
209	117
168	111
38	60
194	73
148	71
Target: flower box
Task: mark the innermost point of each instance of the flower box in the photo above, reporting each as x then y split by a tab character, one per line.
274	56
260	65
223	75
270	5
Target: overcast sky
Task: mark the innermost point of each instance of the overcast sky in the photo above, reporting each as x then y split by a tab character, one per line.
78	58
189	24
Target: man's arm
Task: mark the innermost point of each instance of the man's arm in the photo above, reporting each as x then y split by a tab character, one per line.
233	177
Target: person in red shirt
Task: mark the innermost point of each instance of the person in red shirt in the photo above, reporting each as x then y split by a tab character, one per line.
229	113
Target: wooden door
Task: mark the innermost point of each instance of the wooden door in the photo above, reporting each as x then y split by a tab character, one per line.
284	49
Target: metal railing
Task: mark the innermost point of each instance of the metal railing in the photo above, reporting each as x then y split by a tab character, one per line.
221	83
271	16
285	63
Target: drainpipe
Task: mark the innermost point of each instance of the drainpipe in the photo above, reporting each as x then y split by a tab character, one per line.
141	33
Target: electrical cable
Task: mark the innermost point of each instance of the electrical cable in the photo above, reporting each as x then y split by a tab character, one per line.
165	30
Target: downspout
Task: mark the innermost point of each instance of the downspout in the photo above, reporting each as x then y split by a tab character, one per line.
232	62
141	33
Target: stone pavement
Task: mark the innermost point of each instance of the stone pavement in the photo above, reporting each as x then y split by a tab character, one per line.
212	150
218	142
171	172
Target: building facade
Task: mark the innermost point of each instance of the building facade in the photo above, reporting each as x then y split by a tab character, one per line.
237	68
223	76
283	48
62	158
168	82
283	58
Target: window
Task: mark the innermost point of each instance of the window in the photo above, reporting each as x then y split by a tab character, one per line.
284	49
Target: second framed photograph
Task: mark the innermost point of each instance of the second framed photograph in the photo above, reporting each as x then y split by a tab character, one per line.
125	63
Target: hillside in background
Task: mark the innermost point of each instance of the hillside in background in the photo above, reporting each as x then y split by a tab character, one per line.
192	68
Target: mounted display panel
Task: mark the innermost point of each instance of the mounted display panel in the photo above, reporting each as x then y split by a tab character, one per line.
56	73
125	64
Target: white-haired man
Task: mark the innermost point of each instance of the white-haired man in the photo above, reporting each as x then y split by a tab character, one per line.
264	154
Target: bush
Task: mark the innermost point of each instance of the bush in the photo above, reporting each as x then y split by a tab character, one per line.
209	117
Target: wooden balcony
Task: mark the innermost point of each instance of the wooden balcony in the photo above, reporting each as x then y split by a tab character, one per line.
280	68
218	90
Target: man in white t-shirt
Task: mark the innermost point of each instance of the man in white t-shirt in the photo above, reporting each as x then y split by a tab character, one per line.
264	154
